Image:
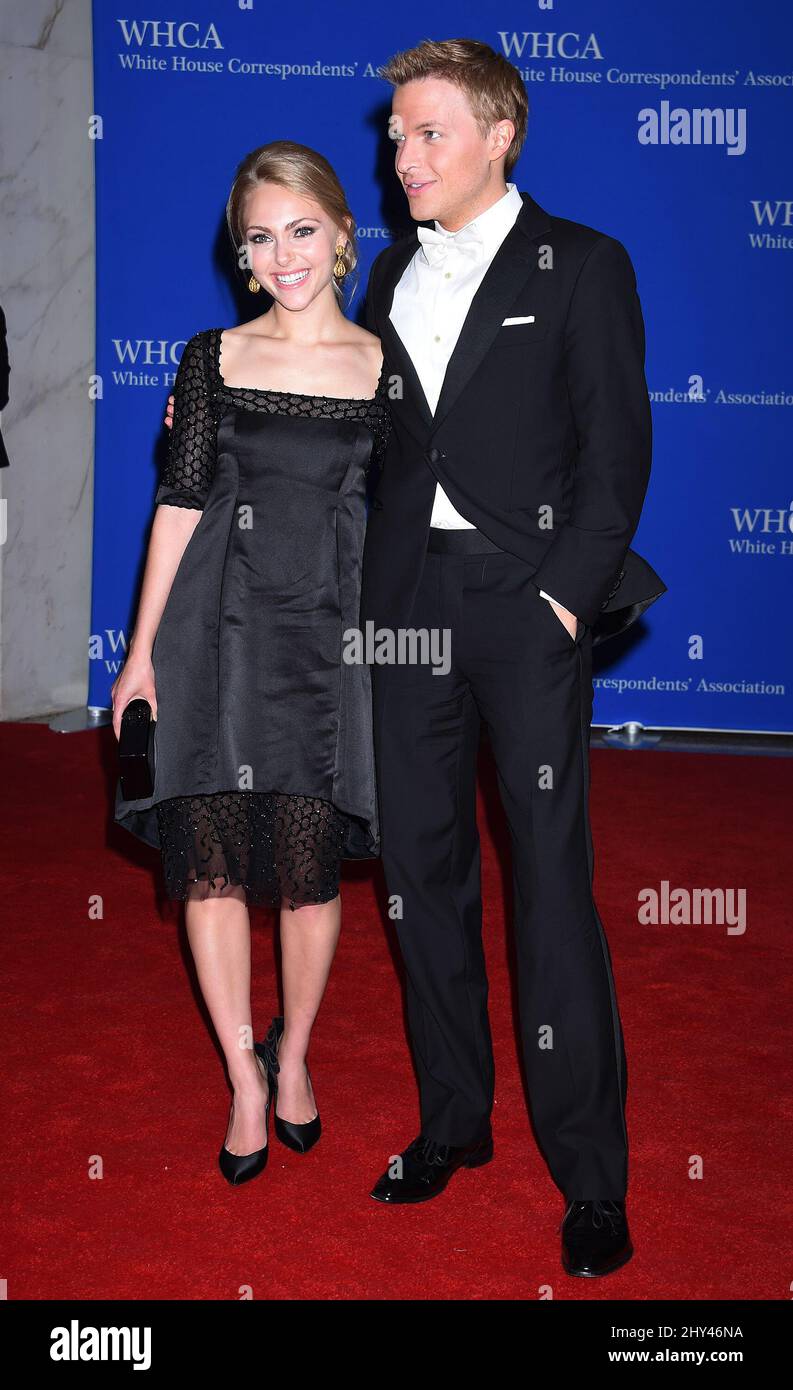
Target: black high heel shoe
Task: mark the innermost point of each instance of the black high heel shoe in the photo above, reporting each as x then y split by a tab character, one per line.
299	1138
239	1168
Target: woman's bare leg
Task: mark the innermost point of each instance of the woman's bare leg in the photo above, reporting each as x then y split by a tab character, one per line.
218	928
308	944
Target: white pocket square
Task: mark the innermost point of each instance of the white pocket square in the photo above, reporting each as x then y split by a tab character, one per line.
527	318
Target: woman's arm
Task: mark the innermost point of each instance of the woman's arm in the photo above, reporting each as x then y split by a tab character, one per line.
180	500
172	529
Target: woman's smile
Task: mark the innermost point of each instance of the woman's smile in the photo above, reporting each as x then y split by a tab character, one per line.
287	279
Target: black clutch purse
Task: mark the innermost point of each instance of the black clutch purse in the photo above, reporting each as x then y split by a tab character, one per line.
136	750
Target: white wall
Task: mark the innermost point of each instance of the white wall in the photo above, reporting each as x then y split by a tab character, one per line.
47	293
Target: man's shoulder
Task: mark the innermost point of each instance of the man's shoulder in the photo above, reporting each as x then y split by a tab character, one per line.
580	242
575	239
579	238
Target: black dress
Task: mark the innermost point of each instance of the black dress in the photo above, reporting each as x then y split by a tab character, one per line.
264	755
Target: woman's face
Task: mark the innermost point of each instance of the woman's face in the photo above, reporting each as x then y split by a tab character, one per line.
291	244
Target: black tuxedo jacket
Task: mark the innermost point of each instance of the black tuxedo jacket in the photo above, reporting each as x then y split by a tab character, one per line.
537	423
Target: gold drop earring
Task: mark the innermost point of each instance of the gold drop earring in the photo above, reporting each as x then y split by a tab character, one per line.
339	269
253	285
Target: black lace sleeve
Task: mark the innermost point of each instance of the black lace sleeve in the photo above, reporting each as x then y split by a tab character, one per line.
192	446
380	422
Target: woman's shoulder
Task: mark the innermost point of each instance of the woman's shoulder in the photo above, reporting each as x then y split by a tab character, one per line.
369	344
200	351
200	341
361	337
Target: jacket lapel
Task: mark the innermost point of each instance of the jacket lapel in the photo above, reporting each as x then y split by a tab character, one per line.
510	268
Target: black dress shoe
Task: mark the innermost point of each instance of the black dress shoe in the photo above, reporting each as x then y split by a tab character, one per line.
427	1168
299	1138
595	1238
239	1168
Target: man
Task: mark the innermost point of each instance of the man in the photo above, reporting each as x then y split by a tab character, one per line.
513	484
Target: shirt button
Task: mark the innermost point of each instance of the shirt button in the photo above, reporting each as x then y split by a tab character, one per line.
437	337
447	275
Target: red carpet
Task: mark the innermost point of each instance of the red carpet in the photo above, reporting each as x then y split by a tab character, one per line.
106	1053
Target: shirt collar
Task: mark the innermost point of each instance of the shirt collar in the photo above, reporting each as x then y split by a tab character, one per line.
493	224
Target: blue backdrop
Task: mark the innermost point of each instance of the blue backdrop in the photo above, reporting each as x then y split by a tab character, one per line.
614	141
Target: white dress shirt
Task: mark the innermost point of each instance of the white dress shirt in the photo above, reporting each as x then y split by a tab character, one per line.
431	303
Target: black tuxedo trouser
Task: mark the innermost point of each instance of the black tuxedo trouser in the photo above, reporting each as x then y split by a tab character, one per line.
514	667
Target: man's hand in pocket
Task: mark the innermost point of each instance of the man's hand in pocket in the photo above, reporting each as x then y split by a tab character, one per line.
564	615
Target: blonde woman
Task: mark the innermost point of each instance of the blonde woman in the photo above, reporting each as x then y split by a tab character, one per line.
264	761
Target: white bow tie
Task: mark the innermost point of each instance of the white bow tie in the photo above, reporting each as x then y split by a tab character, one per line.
437	244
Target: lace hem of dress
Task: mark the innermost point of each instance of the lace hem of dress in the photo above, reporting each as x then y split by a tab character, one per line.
278	846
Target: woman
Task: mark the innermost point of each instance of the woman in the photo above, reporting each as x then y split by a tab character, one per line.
264	762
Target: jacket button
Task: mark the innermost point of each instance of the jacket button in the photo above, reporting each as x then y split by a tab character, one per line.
435	455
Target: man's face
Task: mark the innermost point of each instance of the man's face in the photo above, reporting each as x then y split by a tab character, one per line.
442	161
